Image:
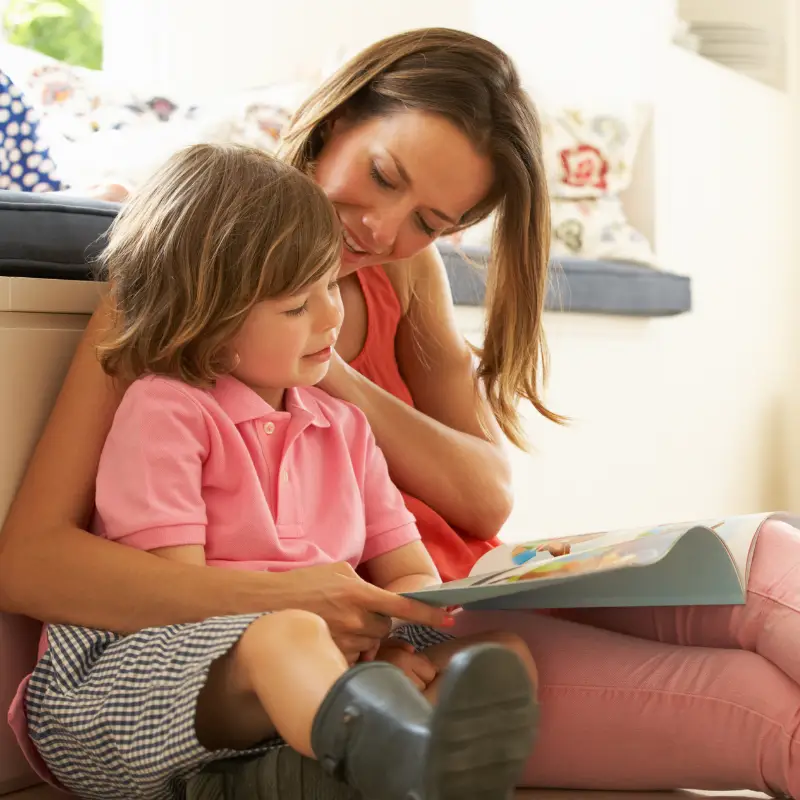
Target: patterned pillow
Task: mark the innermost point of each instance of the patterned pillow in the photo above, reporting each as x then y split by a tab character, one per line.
590	154
255	118
589	157
25	163
589	160
597	228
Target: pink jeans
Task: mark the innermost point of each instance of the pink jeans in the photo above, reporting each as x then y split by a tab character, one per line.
664	698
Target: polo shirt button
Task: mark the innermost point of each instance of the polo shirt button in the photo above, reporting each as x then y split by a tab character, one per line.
284	475
269	428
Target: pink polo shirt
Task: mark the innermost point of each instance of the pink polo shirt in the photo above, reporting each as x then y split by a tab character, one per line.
259	489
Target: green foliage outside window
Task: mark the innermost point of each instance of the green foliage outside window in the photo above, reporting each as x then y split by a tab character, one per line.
67	30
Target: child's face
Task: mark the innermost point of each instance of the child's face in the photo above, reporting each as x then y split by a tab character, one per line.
288	341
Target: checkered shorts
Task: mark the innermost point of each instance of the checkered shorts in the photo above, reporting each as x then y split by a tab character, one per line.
114	716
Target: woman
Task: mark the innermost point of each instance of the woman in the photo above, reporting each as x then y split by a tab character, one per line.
422	134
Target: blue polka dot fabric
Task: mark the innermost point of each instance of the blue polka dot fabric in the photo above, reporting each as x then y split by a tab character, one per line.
25	163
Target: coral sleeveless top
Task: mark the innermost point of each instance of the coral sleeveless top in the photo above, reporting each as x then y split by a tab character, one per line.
453	551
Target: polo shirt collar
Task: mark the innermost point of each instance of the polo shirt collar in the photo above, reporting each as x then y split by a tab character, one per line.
242	404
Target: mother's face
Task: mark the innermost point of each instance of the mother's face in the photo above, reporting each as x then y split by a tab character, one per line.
397	182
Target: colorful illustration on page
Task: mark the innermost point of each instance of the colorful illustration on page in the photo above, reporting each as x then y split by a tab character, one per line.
591	562
577	564
523	553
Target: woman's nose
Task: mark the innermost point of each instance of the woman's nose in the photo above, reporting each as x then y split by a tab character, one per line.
384	227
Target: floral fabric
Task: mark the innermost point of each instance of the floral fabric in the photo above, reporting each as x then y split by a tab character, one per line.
101	132
589	158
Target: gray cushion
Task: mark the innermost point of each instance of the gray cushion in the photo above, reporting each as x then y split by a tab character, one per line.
580	285
51	235
58	236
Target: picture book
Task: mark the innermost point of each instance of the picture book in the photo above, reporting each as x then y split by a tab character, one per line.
689	563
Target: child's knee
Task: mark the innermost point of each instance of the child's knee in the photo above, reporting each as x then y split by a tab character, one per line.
291	626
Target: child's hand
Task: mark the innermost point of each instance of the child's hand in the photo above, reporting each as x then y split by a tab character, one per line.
419	669
555	548
371	654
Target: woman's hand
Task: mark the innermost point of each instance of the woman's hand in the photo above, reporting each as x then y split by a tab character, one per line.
358	614
336	377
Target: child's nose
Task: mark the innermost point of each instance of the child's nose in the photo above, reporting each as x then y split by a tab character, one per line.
334	313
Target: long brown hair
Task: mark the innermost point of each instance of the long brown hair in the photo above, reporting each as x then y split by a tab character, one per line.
475	85
214	231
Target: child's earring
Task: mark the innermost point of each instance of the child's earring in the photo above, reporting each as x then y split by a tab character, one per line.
235	361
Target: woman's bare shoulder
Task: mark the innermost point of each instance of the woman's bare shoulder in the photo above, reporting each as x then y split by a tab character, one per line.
406	275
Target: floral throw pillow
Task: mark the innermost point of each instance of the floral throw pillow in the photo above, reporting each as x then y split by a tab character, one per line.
589	157
596	228
588	153
256	118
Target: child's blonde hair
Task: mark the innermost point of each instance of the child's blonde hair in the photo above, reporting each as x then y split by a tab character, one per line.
216	230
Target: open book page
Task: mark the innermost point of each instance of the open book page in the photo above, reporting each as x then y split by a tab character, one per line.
698	562
737	533
510	556
708	563
613	552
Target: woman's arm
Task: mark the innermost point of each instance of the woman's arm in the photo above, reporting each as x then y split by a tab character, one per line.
194	554
52	570
439	452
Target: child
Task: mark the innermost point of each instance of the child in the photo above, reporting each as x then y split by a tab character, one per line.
223	273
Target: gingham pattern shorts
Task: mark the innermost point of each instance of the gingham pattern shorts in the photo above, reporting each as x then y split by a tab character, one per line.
420	637
114	716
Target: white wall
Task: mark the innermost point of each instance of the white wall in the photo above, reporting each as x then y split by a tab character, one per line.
684	417
186	46
792	441
578	50
575	47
